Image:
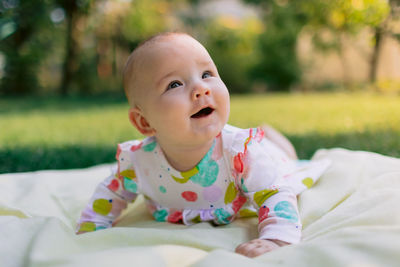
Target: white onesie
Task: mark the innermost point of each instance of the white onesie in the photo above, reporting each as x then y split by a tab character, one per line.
242	174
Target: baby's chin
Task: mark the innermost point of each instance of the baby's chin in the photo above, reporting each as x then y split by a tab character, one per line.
209	127
209	132
192	136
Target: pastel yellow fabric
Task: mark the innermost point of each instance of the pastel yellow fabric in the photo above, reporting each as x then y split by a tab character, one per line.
351	217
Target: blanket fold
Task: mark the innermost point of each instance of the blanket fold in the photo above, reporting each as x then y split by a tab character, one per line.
351	217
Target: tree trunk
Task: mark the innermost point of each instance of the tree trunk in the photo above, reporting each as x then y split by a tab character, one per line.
345	69
21	68
71	46
375	55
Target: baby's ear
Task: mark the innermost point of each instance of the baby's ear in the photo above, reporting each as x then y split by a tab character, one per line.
139	121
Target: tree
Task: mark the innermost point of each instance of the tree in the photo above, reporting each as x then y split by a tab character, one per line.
22	43
75	10
231	43
121	26
148	17
347	18
278	65
380	30
284	19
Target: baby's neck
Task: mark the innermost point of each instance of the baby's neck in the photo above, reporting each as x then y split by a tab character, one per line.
185	158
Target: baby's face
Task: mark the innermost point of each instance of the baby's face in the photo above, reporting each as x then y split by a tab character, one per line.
181	94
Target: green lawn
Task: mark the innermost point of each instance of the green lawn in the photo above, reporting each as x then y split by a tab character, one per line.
73	133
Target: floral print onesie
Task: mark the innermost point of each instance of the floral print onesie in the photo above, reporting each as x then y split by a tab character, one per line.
242	174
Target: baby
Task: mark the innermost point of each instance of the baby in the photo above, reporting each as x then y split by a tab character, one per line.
193	167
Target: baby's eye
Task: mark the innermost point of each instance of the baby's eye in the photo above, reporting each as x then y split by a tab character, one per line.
206	74
174	84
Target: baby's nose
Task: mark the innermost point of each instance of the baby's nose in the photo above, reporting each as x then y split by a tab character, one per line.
201	90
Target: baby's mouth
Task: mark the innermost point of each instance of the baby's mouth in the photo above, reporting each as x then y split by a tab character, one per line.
203	113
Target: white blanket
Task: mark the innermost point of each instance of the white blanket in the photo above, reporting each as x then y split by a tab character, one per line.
351	217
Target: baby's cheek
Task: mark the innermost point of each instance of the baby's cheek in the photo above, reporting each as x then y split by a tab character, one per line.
173	114
224	98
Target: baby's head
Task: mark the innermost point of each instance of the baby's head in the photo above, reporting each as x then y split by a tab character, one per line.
174	91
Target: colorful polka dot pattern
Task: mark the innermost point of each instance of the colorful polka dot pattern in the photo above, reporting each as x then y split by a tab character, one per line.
150	147
261	196
87	227
196	219
212	193
208	170
204	174
175	217
130	185
238	203
231	193
160	215
128	174
285	209
162	189
238	162
136	147
220	200
186	175
102	206
263	213
247	213
114	185
222	216
189	196
308	182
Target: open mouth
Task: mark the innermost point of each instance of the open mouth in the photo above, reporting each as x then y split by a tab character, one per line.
203	113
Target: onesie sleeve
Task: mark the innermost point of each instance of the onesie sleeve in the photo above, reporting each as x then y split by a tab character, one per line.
113	194
271	181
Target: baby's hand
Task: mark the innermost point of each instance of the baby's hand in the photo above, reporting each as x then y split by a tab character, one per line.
256	247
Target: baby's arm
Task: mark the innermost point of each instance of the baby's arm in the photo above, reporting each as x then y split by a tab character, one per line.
112	195
279	222
262	174
104	207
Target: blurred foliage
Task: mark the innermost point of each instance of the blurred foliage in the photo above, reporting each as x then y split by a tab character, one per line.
231	43
326	21
25	37
329	20
59	133
75	69
75	47
277	64
344	15
145	18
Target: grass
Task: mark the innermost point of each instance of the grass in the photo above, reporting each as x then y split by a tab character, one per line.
74	133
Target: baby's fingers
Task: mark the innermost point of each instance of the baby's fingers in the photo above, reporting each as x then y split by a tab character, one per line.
244	249
256	247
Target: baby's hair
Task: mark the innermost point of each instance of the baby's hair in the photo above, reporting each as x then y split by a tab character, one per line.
129	69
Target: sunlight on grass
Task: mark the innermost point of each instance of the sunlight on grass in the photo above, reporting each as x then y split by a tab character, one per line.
54	127
318	113
296	114
56	133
